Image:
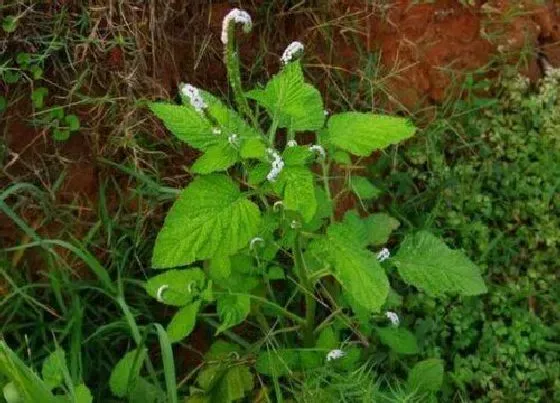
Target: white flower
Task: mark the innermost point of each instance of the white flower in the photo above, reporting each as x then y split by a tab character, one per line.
335	355
216	131
326	112
236	16
393	317
383	254
194	96
232	139
291	143
254	241
291	50
159	292
295	224
277	165
318	149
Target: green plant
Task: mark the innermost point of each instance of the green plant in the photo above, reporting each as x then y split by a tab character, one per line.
254	235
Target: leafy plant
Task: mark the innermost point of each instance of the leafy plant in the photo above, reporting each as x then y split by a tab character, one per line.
255	208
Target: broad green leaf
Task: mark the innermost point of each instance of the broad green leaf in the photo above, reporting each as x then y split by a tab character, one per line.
342	157
299	191
297	155
427	263
11	393
218	157
232	310
426	376
327	340
225	384
181	286
82	394
277	363
125	374
355	267
398	339
182	323
220	350
294	103
379	228
362	133
257	174
145	392
211	218
364	188
186	124
53	368
220	268
253	148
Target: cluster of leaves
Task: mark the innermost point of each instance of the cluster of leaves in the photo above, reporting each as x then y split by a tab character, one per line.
22	384
500	202
28	68
243	244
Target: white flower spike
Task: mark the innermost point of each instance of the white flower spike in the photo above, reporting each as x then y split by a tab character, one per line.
383	255
277	165
393	317
291	143
254	242
277	205
235	16
335	355
160	291
194	96
292	49
232	139
216	131
318	149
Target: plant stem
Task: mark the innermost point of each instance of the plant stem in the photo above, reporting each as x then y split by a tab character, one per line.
325	171
234	76
310	303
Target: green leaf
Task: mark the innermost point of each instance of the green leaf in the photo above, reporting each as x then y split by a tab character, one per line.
72	122
398	339
276	363
11	76
38	97
426	376
253	148
427	263
327	340
36	72
379	228
297	155
182	286
364	188
355	267
342	157
53	368
125	374
226	384
145	392
296	105
182	323
186	124
61	134
362	133
258	173
220	268
275	273
9	23
218	157
299	191
232	310
11	393
211	218
82	394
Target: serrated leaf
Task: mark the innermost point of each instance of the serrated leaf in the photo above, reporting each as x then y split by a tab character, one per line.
379	228
297	155
125	374
296	105
427	263
218	157
299	191
364	188
220	267
362	133
52	371
398	339
186	124
355	267
181	286
258	173
182	323
232	310
426	376
82	394
211	218
253	148
145	392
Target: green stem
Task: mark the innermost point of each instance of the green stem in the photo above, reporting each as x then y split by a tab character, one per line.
325	171
310	303
234	76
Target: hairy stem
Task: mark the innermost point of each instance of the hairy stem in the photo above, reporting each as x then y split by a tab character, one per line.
310	303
